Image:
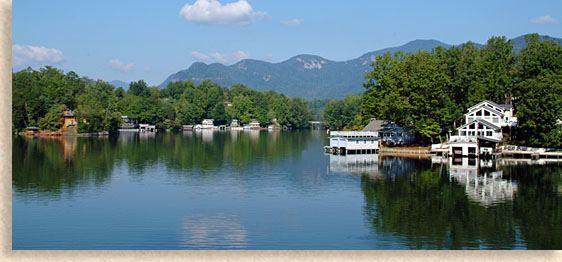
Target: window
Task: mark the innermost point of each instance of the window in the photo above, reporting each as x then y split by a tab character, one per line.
463	133
489	133
486	113
479	113
472	126
357	141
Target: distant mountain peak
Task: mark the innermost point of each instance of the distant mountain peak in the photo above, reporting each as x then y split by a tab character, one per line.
304	75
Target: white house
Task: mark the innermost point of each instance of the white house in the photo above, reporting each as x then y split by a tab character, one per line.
482	130
499	115
389	131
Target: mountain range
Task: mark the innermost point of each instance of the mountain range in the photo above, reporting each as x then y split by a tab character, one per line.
307	76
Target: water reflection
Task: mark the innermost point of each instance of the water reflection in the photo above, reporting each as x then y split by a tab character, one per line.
53	164
57	164
469	204
221	231
232	189
355	164
483	183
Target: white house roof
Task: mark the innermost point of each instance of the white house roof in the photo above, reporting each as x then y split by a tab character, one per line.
488	108
502	106
484	122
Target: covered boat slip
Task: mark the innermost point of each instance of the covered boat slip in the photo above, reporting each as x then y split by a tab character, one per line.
472	146
353	142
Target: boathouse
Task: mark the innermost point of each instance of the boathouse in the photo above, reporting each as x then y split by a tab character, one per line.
207	123
32	130
353	142
254	123
389	131
147	128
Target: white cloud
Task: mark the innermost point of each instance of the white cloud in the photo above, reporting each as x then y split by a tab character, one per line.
119	65
213	12
545	19
201	57
293	22
30	55
221	58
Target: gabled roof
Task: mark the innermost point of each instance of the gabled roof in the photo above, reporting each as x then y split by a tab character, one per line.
490	109
484	122
503	106
377	125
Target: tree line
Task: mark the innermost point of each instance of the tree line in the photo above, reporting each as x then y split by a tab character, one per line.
39	98
429	92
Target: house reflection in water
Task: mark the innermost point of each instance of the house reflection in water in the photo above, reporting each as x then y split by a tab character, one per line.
355	164
483	184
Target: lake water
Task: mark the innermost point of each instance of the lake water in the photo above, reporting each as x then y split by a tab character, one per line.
271	190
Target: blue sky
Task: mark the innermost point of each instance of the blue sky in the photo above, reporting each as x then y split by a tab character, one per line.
132	40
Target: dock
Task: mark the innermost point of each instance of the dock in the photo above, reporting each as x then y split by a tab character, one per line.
518	154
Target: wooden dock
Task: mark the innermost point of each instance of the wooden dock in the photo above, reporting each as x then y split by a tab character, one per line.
531	155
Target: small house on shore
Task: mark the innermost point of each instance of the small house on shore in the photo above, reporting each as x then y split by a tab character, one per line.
69	119
389	131
128	124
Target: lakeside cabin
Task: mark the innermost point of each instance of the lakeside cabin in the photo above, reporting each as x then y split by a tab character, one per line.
69	119
390	132
128	125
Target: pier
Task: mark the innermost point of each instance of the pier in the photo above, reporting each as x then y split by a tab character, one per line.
531	155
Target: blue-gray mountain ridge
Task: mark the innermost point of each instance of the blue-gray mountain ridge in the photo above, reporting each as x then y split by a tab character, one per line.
307	76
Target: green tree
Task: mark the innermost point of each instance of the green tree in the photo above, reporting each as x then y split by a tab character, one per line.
53	120
539	93
97	107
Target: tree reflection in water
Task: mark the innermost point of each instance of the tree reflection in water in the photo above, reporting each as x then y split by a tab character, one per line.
426	206
52	165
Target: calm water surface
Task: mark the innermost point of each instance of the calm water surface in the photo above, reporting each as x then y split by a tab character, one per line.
271	190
